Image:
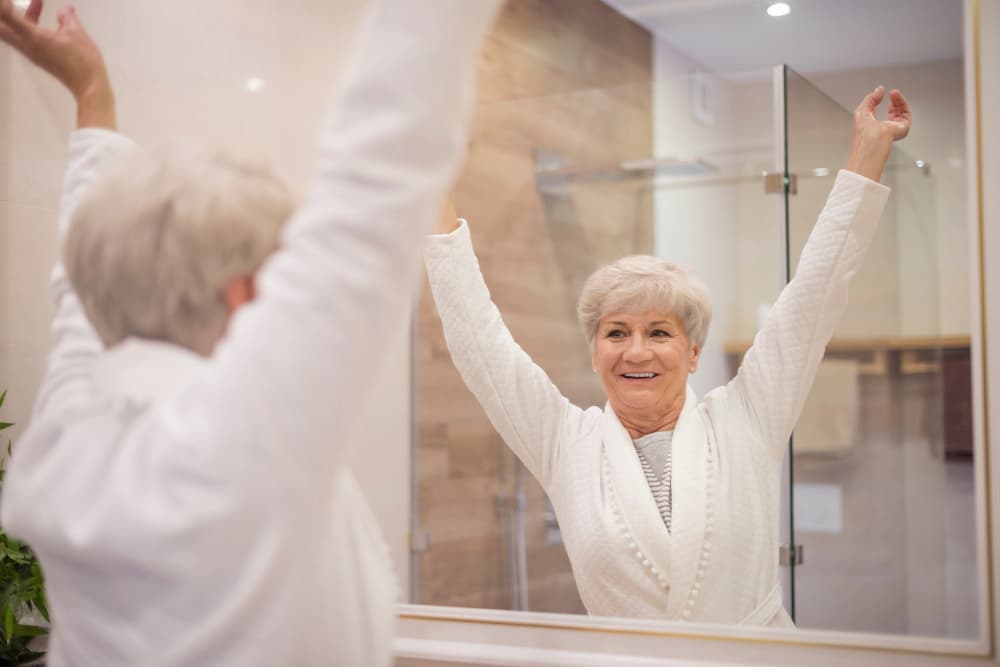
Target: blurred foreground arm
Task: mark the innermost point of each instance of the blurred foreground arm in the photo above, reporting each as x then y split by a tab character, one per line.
291	380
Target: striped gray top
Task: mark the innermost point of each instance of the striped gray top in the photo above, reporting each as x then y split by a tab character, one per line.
654	455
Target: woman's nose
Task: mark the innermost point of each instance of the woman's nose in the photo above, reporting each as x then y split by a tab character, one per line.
638	349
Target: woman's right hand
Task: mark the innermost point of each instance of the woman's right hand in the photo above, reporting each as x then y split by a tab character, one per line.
67	53
873	138
447	221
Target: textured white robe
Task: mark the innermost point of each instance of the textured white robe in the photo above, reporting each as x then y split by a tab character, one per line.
194	511
720	563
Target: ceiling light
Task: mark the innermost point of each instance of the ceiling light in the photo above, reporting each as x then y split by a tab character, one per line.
778	9
254	84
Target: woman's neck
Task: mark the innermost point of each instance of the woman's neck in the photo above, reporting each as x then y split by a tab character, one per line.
643	422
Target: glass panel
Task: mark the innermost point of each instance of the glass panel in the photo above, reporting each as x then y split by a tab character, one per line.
882	481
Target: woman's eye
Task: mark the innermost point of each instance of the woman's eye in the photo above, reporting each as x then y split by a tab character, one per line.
659	333
615	333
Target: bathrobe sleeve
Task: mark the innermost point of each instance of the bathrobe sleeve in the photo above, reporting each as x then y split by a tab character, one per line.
778	370
283	393
522	403
75	345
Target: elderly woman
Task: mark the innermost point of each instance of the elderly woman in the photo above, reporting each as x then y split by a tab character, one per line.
669	507
184	479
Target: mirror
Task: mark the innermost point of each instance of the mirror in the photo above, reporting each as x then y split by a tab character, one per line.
878	519
595	139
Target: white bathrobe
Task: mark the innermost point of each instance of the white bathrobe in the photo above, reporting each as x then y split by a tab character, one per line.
198	511
720	563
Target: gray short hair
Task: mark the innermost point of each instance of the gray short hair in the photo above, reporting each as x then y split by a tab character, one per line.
643	282
152	247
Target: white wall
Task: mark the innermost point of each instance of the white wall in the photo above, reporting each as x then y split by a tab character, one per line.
179	70
936	93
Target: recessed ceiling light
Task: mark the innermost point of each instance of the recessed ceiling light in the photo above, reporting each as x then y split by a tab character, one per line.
254	84
778	9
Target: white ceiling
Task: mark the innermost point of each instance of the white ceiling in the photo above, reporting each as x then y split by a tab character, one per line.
817	36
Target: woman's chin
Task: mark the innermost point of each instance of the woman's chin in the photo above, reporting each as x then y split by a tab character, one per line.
639	399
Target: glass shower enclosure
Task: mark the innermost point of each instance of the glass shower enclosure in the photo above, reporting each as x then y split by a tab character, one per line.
725	174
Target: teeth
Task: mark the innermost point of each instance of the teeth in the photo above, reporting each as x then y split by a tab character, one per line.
640	375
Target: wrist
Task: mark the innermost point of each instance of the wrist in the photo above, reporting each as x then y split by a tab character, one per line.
868	158
95	105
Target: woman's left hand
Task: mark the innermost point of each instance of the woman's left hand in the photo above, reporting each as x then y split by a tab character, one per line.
873	138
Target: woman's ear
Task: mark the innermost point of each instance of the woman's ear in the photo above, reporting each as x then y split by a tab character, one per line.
239	290
695	355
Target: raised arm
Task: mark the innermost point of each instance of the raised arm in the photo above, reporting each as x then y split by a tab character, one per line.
285	389
71	56
777	372
521	402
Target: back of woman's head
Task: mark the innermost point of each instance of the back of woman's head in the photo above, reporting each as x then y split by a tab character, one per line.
151	249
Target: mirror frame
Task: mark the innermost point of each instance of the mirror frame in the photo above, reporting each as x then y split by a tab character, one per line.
983	646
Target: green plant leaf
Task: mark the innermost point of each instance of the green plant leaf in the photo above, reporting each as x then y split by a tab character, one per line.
18	554
29	656
29	630
22	589
42	604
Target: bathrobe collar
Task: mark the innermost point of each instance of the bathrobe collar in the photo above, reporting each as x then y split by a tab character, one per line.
143	371
677	554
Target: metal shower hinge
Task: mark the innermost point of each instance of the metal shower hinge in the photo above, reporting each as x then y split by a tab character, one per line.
777	183
789	556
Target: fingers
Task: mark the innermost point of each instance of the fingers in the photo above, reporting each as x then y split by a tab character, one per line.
10	37
7	33
898	106
14	22
64	16
899	115
871	101
34	11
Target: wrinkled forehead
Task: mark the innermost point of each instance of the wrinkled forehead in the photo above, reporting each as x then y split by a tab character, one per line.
640	316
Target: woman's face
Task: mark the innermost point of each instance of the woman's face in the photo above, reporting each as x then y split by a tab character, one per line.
643	360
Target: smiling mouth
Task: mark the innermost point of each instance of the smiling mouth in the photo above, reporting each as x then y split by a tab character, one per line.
639	376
